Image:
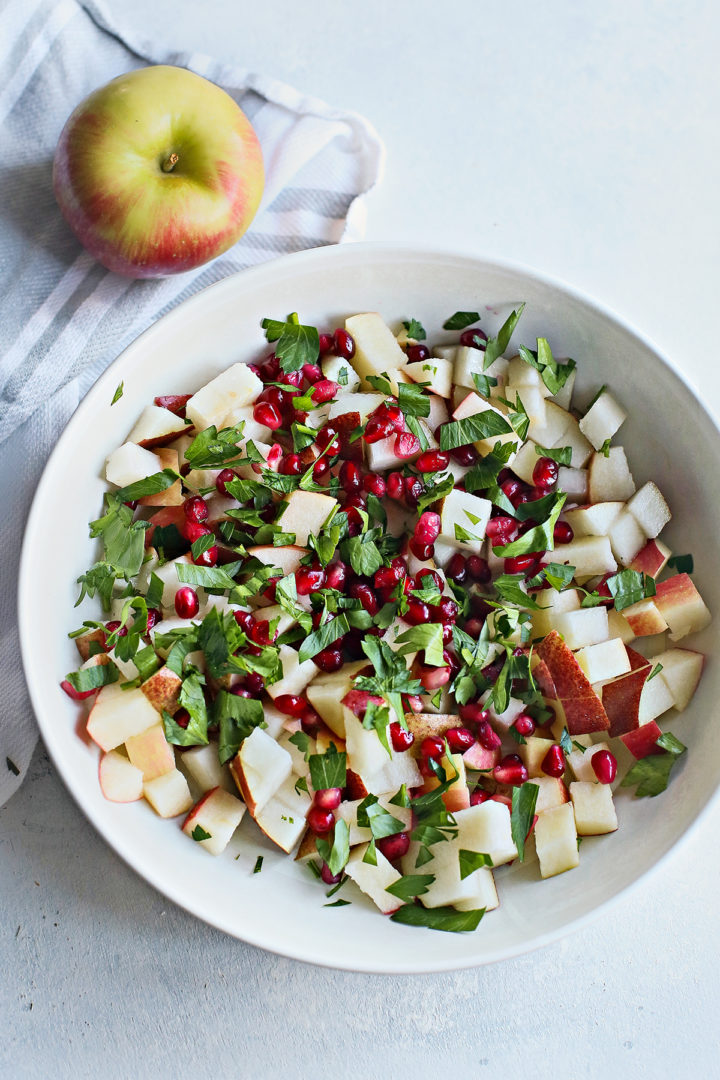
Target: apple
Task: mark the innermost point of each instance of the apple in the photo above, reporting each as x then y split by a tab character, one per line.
306	512
218	813
602	419
151	752
118	714
120	780
157	172
374	879
556	840
169	794
621	700
584	712
259	768
682	606
643	740
609	478
593	808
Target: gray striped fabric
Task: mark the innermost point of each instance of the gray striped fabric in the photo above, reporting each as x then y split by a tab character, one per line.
64	317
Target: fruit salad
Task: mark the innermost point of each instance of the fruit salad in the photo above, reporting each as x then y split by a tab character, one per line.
404	609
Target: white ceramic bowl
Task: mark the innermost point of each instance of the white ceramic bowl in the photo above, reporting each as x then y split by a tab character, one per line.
670	437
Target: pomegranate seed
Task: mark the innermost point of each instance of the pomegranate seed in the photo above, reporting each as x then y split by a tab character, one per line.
422	551
417	612
478	568
153	616
182	718
432	678
329	659
432	747
473	627
76	695
327	439
366	596
187	604
432	461
510	771
207	558
523	564
321	466
604	766
401	739
291	465
406	445
563	532
309	580
224	477
394	847
416	353
192	531
374	485
291	704
465	455
195	509
427	529
356	499
266	413
327	875
344	344
457	568
512	489
395	485
244	620
260	633
312	372
350	477
524	725
276	396
336	574
488	739
413	490
433	575
324	390
377	428
501	530
449	610
328	798
545	473
273	459
474	338
254	682
479	796
459	739
320	821
240	691
553	764
326	344
111	627
387	577
291	378
394	414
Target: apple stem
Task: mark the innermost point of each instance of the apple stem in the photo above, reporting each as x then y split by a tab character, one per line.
170	162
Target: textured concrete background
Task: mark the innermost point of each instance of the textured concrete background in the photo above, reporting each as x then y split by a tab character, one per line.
582	140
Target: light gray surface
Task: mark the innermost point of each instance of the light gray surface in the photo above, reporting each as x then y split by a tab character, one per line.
582	142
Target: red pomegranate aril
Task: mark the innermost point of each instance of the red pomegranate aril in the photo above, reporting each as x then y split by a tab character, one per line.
268	414
394	847
290	465
394	414
406	445
275	395
309	580
449	610
478	568
510	771
545	473
459	739
479	796
387	577
487	737
417	612
357	499
499	529
422	551
432	461
426	575
329	660
187	604
465	455
374	485
153	616
324	390
400	738
336	574
312	372
174	403
432	678
320	821
327	875
473	712
524	725
377	429
416	353
563	532
254	682
523	564
456	569
193	530
604	766
244	619
395	485
553	764
366	596
260	633
182	718
474	338
222	479
207	558
76	695
343	344
473	627
350	477
427	529
291	704
432	747
320	468
114	626
327	439
326	344
240	691
195	509
328	798
414	488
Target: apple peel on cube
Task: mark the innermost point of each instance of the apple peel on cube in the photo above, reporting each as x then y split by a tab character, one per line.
218	813
120	780
584	711
118	714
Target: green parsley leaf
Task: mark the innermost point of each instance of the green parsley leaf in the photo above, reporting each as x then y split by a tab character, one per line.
199	833
371	815
439	918
169	541
415	330
401	797
123	539
483	383
524	799
391	678
509	588
539	538
428	637
629	586
562	454
12	767
461	319
202	544
338	903
553	374
413	400
370	856
154	595
651	774
119	391
605	448
482	425
496	346
213	449
565	741
336	856
209	577
301	785
485	472
363	555
99	579
684	564
328	770
342	376
410	885
470	861
93	678
440	489
151	485
258	865
237	717
303	743
655	671
377	718
324	636
296	344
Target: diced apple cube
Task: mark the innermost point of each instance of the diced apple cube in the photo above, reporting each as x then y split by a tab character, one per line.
644	618
552	431
650	510
581	448
162	689
374	880
590	555
463	520
486	828
520	373
251	429
376	348
574	482
602	420
533	754
552	602
204	766
155	427
362	404
609	478
551	792
682	606
361	834
435	372
588	626
259	768
325	694
605	660
580	761
151	752
218	813
287	558
556	840
469	362
118	714
564	394
306	512
593	808
295	676
120	781
333	368
594	520
282	819
130	463
169	794
652	558
364	749
503	721
484	893
236	386
525	461
681	671
618	626
626	537
655	700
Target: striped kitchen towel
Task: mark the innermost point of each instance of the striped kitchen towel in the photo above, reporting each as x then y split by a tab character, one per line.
64	317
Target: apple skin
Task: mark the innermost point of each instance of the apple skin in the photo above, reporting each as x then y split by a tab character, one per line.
135	218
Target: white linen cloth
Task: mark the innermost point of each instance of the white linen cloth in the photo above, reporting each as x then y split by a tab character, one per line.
64	317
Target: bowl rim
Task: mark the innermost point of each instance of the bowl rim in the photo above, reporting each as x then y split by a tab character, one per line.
361	250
